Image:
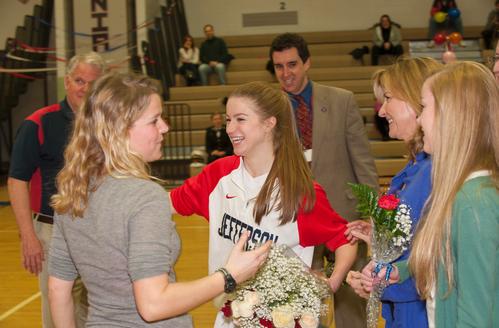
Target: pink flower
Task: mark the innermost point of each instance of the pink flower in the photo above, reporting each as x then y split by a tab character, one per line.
388	202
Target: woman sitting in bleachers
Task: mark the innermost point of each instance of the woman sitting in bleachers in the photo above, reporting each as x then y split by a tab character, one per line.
387	39
188	61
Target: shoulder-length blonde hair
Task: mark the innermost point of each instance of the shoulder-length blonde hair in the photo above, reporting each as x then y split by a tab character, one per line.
99	145
404	80
464	140
290	178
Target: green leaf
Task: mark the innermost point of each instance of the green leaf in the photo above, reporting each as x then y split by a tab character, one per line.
367	199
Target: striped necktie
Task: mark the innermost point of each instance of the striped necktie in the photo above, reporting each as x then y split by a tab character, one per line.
304	122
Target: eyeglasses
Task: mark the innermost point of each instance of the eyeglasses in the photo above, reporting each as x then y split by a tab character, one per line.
80	82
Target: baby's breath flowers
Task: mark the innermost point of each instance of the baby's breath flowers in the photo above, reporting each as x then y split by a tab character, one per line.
284	293
402	230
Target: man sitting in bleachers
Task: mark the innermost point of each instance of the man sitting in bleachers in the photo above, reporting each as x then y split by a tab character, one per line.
214	56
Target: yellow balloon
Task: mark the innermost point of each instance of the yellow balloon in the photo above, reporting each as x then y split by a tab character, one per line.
440	17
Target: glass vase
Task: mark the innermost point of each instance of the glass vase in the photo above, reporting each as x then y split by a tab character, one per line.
383	253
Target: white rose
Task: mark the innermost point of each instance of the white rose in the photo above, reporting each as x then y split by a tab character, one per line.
282	317
252	298
245	309
235	308
308	320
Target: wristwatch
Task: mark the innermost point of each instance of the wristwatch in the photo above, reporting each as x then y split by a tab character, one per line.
230	282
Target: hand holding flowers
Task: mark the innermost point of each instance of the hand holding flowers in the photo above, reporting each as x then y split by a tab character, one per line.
363	282
390	236
355	280
244	264
284	293
368	281
359	230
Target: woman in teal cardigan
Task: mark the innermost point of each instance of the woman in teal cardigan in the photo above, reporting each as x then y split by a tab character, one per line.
455	253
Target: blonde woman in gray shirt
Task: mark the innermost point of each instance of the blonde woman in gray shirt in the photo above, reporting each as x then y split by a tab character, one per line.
113	223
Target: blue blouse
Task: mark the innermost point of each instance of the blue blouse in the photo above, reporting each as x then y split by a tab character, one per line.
402	306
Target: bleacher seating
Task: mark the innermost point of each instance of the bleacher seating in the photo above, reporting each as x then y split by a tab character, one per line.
34	34
331	65
470	50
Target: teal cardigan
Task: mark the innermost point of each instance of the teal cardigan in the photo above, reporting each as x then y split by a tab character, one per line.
474	298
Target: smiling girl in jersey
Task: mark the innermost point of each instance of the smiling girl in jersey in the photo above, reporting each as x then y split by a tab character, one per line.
266	187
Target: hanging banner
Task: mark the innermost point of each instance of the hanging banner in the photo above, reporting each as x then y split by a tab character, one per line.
103	20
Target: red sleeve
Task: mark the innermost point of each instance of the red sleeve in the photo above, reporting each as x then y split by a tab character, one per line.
322	225
192	197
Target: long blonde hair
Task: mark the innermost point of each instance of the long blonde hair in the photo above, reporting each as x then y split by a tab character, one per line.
99	145
404	80
290	177
465	140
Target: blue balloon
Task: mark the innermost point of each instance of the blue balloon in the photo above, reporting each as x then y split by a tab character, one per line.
454	13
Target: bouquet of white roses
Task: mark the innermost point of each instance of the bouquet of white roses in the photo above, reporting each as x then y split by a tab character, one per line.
391	235
283	294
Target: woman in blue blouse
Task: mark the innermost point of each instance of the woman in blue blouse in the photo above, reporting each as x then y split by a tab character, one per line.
400	88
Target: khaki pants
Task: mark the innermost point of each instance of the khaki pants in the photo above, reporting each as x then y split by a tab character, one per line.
44	234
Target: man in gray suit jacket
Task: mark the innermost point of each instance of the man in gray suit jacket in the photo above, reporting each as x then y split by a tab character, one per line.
339	153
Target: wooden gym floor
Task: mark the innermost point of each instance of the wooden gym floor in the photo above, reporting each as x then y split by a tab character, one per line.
19	296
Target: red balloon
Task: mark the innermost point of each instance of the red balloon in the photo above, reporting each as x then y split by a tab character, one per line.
455	37
439	38
434	10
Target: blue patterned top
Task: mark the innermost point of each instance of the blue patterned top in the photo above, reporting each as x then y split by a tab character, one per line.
402	306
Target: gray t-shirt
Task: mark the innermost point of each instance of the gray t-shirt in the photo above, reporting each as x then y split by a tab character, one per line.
126	234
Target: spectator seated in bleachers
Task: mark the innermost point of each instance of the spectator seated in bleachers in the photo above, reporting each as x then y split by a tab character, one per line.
188	61
214	56
387	39
218	143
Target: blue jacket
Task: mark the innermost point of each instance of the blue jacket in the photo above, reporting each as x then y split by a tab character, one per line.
401	305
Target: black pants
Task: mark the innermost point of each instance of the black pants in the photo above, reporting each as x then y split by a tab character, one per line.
190	73
378	51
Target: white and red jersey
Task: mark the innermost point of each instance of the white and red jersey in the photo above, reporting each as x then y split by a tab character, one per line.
225	194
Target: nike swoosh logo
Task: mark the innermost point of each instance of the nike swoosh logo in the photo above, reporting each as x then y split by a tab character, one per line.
229	197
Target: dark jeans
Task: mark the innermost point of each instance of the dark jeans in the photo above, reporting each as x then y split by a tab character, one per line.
190	73
378	51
